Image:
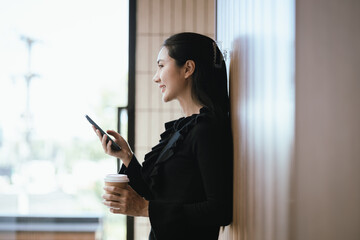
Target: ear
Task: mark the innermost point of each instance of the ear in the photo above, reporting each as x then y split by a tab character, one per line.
189	68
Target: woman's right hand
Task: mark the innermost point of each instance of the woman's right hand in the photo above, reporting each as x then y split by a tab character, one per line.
125	154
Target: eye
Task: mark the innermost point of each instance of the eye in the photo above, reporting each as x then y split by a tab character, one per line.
160	65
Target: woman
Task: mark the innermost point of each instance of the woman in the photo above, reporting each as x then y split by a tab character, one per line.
185	183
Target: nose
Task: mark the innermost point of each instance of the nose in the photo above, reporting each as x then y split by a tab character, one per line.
156	77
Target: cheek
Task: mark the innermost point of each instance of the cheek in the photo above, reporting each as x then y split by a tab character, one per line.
165	77
170	77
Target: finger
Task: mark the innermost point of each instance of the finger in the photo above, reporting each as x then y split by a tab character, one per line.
103	142
117	210
108	146
98	133
111	197
112	204
116	190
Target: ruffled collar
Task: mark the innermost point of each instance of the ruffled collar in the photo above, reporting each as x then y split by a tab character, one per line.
175	132
175	125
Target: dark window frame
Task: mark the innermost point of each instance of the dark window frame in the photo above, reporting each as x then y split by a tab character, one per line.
131	100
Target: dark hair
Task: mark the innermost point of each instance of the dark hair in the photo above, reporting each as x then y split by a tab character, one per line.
209	80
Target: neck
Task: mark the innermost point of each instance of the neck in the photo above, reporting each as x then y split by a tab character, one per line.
187	104
189	107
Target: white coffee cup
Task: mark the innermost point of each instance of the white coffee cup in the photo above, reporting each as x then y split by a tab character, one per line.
116	180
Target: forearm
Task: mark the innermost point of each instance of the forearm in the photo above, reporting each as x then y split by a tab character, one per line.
133	171
127	158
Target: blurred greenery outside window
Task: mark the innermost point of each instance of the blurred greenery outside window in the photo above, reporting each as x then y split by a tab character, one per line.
60	60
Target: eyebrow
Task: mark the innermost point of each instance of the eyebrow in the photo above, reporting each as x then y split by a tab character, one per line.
158	61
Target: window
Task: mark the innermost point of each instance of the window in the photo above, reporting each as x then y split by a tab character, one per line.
59	61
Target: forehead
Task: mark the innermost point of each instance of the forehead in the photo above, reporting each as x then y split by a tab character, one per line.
163	54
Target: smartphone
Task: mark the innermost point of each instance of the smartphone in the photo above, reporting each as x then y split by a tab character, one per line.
114	145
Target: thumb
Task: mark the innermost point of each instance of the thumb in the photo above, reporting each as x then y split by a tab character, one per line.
130	189
113	133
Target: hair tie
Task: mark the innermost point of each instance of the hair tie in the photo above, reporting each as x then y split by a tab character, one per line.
217	59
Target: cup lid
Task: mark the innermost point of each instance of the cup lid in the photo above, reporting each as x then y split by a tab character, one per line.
116	178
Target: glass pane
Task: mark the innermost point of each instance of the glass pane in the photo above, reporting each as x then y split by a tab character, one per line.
59	60
123	128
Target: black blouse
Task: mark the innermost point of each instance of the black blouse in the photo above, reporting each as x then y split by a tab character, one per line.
187	178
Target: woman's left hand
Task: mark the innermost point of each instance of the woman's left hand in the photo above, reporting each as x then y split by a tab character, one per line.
125	201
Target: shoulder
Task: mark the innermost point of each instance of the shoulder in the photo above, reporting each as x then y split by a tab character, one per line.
208	125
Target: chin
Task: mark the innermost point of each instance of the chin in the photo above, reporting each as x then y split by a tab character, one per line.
166	99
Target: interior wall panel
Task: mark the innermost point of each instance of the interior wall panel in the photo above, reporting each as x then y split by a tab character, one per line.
258	37
295	115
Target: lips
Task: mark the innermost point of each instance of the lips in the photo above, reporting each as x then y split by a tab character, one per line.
162	88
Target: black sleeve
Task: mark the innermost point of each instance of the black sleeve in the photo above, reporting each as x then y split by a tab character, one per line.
213	151
133	171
